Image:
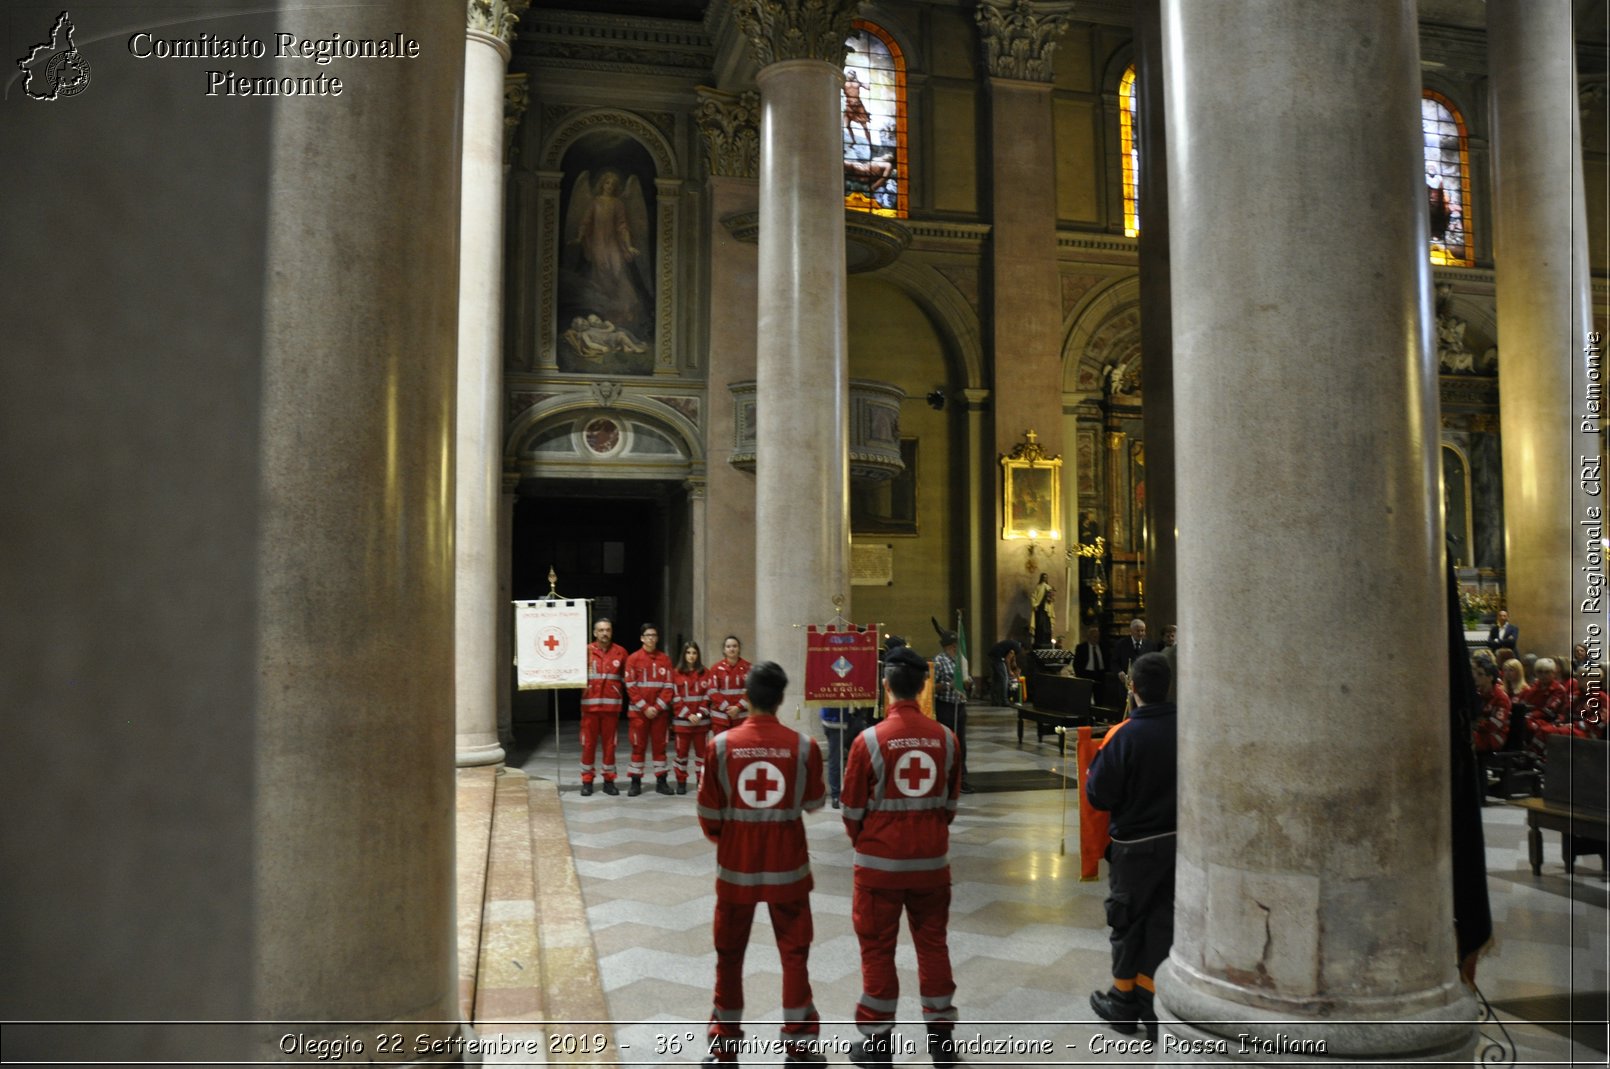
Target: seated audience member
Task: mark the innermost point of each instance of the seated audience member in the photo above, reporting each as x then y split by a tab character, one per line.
1492	725
1513	674
1579	657
1548	709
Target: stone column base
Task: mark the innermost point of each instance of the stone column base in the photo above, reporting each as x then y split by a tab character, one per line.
473	750
1207	1029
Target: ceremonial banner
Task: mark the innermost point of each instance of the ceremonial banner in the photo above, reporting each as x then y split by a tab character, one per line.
550	644
841	667
1093	834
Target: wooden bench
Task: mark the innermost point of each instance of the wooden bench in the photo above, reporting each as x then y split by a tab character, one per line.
1573	802
1055	701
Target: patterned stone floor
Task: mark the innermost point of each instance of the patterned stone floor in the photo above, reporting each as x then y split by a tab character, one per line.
1027	937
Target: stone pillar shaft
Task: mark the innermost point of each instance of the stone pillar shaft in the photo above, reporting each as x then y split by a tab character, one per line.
802	368
1544	317
354	823
1306	892
1157	323
477	609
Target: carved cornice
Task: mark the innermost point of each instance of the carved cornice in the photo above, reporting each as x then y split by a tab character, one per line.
730	123
1020	35
780	30
615	43
516	99
496	17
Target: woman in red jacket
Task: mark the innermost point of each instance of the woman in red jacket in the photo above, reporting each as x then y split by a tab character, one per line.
690	713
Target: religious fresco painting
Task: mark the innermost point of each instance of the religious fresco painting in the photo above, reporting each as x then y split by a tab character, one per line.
607	258
874	117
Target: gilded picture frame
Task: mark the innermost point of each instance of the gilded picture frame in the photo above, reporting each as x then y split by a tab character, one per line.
1031	497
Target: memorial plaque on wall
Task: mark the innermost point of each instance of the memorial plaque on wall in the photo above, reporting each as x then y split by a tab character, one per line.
871	564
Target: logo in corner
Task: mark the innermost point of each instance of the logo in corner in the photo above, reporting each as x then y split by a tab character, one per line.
55	69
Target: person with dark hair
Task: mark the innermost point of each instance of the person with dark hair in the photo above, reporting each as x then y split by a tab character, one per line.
950	700
1133	777
761	777
901	787
690	714
648	694
727	679
601	705
1492	725
1005	659
1503	633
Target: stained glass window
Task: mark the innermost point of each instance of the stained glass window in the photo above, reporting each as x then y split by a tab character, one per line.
874	99
1447	179
1129	152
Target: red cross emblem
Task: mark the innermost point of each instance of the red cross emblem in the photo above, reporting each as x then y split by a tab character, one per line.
914	772
552	644
761	785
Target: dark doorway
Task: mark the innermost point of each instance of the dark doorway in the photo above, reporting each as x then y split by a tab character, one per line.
610	548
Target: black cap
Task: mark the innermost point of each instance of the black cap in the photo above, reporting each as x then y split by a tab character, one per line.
905	655
893	642
947	638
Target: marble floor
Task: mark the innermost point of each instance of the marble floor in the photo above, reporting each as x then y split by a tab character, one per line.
1027	937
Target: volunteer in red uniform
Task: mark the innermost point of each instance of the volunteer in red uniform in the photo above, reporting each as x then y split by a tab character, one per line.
648	704
761	778
901	786
690	714
728	705
601	704
1492	726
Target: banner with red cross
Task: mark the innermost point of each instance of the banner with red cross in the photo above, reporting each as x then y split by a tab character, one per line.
550	644
841	666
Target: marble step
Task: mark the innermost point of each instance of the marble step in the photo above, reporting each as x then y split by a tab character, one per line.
509	982
473	815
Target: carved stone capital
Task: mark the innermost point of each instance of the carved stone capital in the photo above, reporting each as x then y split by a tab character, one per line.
1020	35
516	99
496	17
730	123
779	30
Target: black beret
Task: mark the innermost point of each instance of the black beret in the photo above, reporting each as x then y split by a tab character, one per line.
910	658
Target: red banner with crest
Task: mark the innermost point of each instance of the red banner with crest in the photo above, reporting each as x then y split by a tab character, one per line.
841	666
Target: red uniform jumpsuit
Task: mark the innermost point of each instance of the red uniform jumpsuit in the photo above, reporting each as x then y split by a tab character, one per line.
763	777
728	706
648	689
1492	727
901	786
1548	712
690	719
601	707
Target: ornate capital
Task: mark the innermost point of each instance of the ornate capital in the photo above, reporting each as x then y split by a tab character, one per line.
1020	35
730	123
796	29
516	99
496	17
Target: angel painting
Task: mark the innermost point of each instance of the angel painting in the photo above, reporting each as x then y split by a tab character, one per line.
607	266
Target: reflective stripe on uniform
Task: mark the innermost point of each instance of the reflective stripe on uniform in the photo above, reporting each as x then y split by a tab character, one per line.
760	816
869	738
727	1016
762	879
879	1005
806	1012
854	813
900	864
909	805
710	814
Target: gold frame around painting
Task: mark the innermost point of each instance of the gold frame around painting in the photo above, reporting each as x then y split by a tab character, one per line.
1031	492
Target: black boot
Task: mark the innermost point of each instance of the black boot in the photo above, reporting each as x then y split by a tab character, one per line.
681	786
586	789
610	788
660	786
942	1047
636	788
1121	1009
876	1052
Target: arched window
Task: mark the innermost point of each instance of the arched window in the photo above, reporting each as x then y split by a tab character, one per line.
1129	151
875	174
1447	179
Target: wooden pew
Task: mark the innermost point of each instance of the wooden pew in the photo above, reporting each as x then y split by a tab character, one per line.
1054	701
1574	802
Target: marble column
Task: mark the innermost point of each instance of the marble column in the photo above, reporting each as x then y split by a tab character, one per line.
801	355
1157	323
1026	314
355	790
1313	891
505	656
1544	318
730	126
479	454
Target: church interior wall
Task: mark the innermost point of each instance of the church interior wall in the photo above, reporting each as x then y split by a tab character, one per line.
893	340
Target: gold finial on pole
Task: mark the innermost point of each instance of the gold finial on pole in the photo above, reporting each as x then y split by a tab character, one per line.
838	603
553	582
